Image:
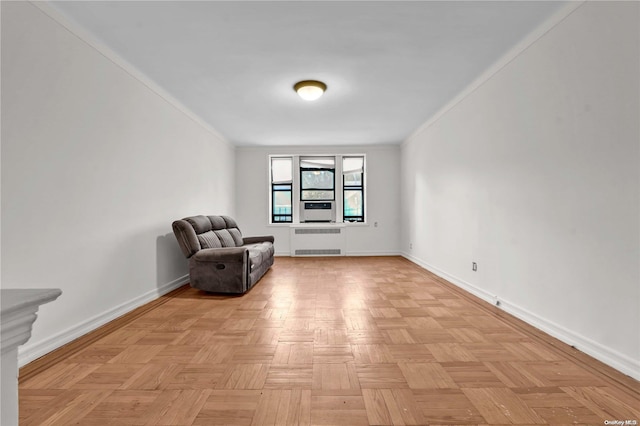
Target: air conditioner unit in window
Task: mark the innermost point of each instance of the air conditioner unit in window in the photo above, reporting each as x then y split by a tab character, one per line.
317	211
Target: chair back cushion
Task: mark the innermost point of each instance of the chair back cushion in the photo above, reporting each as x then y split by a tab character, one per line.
195	233
209	240
225	238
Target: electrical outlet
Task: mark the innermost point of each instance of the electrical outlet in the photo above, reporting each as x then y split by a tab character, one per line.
474	266
411	246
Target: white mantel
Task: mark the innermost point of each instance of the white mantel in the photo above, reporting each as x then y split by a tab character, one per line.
18	309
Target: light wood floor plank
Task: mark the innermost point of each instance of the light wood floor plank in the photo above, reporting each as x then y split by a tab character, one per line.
426	376
502	406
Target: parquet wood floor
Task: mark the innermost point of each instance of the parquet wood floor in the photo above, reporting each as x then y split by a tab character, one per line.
327	341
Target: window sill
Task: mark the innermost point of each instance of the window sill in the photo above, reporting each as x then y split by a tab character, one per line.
349	224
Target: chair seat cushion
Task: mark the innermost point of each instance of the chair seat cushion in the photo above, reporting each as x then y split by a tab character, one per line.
259	252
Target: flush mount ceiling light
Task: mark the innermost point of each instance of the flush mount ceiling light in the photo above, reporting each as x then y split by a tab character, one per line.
310	90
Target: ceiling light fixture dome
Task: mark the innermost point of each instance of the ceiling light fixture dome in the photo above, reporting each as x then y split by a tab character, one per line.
310	90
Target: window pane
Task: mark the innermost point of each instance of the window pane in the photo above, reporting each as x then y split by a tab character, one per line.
352	165
281	169
353	179
353	191
352	203
317	179
316	195
282	202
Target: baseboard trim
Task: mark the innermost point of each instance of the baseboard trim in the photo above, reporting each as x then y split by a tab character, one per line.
58	346
350	253
608	356
371	253
476	291
614	359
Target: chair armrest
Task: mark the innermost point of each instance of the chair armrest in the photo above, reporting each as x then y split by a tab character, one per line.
226	254
254	240
186	236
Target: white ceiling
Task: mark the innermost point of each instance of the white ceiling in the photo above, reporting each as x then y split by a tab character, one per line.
389	66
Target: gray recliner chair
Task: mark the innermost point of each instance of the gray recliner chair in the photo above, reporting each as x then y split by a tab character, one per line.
221	260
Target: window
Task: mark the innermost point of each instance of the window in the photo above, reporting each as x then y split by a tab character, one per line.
317	178
353	188
281	189
334	184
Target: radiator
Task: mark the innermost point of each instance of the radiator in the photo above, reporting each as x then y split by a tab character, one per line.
318	240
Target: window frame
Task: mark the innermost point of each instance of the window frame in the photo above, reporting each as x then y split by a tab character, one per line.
317	169
339	188
360	188
274	190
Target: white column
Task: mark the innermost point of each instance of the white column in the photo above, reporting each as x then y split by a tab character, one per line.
17	314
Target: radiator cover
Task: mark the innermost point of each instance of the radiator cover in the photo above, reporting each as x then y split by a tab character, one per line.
318	240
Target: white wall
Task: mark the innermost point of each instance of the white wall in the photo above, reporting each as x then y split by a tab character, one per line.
535	176
95	167
382	197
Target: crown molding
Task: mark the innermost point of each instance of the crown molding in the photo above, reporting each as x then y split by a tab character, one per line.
90	40
502	62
